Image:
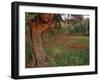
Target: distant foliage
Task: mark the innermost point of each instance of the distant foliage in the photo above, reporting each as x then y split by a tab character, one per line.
81	28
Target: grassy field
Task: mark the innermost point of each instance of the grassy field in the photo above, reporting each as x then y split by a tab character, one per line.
64	50
67	50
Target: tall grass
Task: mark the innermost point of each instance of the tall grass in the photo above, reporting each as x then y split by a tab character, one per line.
63	55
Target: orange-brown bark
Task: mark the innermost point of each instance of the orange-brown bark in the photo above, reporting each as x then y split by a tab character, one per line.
44	22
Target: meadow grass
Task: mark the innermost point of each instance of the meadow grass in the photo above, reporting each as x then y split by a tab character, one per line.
64	50
71	52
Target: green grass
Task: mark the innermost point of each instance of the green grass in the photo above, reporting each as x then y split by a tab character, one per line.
64	50
68	57
28	56
63	55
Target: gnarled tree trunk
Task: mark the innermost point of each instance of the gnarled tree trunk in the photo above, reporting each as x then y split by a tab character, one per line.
37	27
40	55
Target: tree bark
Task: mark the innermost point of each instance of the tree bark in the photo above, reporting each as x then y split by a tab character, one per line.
37	26
29	43
39	57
